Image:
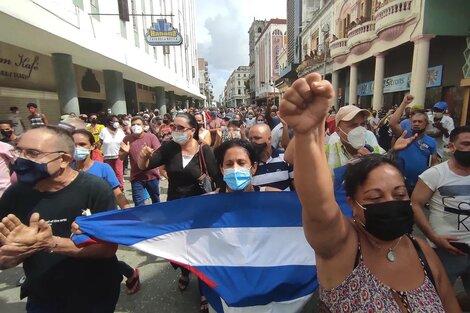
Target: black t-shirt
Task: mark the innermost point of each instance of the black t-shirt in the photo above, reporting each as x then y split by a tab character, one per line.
53	277
183	181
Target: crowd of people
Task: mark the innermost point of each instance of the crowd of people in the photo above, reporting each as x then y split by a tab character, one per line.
355	173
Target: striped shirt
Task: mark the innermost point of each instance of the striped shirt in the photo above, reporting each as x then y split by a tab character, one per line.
275	172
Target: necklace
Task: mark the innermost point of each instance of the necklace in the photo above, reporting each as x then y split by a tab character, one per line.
390	254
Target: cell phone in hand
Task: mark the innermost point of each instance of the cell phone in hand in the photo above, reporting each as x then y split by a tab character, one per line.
462	246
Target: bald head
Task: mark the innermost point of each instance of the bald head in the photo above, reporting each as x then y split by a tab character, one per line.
259	134
72	123
48	139
261	128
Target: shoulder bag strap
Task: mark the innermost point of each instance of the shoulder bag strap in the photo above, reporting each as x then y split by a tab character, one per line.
423	259
202	161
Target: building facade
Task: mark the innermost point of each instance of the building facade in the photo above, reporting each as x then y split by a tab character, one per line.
254	32
88	56
236	91
291	56
205	85
268	47
379	50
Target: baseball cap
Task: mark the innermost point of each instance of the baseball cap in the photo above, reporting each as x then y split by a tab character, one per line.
348	112
229	116
441	105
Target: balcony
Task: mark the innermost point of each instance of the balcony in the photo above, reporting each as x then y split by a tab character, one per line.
361	37
339	47
392	17
312	63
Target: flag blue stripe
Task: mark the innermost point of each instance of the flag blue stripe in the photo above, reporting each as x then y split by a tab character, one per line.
245	209
273	283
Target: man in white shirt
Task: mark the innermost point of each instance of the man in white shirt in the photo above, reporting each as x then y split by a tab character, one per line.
446	187
440	127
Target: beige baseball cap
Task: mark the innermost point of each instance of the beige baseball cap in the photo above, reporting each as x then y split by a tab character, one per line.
349	112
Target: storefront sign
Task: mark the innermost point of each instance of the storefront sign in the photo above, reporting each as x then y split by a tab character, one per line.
402	82
21	68
163	33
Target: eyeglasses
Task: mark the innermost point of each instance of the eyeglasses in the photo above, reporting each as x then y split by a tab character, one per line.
179	128
32	154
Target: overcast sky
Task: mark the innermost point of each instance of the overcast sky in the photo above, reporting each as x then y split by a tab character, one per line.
222	33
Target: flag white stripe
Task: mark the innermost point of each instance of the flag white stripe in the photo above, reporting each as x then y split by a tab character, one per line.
292	306
271	177
245	246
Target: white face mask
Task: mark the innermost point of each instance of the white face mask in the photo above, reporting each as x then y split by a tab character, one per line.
180	138
136	129
146	128
125	123
356	137
116	125
438	114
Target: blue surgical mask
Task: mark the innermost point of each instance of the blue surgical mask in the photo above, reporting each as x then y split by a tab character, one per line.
30	172
81	153
237	179
180	137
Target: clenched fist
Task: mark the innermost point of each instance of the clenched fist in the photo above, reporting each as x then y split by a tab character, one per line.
305	104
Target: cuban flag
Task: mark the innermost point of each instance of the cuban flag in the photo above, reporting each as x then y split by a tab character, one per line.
248	248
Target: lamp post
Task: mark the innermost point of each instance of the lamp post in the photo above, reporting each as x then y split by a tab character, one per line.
325	30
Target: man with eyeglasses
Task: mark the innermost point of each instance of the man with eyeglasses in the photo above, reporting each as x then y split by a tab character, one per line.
37	213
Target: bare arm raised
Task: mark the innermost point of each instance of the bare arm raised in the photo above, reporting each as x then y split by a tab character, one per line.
304	108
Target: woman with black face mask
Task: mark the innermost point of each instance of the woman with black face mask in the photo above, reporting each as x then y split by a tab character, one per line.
369	263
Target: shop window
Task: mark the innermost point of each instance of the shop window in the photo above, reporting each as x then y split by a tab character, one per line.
123	9
95	8
78	3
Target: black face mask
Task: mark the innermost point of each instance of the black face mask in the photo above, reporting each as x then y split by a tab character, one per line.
388	220
462	157
93	121
259	147
6	133
418	131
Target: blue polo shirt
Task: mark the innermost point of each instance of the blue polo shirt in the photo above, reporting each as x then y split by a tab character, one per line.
104	171
415	159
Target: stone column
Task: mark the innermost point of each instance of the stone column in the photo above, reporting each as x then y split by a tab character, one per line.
66	83
190	102
377	100
419	70
353	84
160	99
184	100
171	100
335	83
115	96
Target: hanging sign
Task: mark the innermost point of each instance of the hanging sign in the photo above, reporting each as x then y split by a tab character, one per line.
163	33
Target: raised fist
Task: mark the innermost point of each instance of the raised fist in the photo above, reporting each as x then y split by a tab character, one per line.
305	104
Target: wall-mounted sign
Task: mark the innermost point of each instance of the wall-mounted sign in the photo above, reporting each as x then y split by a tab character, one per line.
90	83
402	82
21	68
163	33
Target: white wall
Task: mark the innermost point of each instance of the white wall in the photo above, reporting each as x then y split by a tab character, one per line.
50	26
